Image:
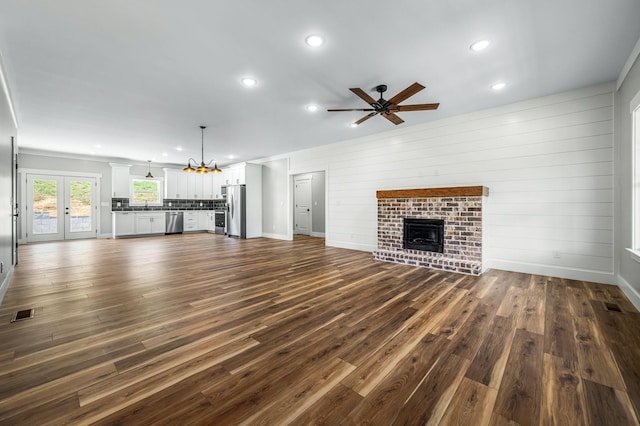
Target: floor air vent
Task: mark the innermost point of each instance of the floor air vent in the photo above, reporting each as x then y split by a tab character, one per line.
23	315
612	307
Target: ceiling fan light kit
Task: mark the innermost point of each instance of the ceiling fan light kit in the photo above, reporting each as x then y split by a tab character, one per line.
202	168
388	108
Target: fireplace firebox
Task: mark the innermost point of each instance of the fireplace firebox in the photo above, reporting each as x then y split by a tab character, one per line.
424	234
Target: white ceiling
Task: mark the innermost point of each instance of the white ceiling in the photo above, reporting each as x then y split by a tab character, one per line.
137	78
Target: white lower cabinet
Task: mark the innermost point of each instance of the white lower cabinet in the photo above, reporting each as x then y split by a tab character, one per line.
190	221
123	224
150	223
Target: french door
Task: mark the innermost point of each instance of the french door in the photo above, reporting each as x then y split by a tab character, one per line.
60	207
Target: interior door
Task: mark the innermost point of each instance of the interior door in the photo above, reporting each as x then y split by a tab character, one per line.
60	207
302	200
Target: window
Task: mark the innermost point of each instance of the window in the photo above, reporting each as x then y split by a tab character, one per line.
146	192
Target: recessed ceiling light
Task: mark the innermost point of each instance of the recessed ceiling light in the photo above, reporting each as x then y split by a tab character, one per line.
164	154
498	85
178	148
248	81
480	45
98	146
312	108
314	40
231	157
353	125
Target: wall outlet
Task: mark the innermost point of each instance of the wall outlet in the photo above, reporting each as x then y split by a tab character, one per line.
169	203
200	204
118	204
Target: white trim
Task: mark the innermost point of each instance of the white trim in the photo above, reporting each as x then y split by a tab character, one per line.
634	254
277	236
349	245
105	236
553	271
7	93
627	65
317	234
630	292
291	174
5	284
59	173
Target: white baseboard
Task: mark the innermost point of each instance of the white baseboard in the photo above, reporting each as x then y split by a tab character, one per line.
105	235
277	236
350	245
317	234
552	271
5	284
630	292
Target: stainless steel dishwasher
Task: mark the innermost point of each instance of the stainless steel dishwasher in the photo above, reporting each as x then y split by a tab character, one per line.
175	223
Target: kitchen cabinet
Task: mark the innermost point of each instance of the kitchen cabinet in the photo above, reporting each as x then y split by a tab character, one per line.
203	216
211	221
217	180
183	185
207	187
123	223
235	175
150	223
191	221
171	183
120	180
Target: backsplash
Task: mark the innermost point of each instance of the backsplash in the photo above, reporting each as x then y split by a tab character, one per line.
176	204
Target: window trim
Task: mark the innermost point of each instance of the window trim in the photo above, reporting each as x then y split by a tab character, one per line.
160	201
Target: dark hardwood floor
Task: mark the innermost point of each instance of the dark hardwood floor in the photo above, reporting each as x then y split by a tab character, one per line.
203	329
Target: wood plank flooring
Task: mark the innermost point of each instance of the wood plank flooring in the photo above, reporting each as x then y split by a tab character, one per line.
204	329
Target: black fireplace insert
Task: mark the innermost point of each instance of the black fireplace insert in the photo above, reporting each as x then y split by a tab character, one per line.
424	234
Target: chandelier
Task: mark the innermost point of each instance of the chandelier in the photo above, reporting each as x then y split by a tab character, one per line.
202	168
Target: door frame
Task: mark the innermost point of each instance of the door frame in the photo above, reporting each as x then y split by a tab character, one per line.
296	179
290	188
23	195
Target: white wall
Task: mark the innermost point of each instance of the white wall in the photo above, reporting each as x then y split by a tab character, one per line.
7	131
274	199
548	163
628	269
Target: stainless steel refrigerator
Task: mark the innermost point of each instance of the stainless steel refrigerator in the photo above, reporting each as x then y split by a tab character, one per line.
236	211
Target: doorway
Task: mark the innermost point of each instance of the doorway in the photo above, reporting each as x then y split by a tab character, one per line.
60	207
302	206
309	204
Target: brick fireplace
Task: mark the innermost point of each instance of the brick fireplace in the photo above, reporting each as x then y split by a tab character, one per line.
461	210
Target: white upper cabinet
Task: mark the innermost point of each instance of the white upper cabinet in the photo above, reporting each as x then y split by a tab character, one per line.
207	188
171	183
234	175
120	180
182	178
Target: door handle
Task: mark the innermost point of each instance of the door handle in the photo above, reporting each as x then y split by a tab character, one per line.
308	210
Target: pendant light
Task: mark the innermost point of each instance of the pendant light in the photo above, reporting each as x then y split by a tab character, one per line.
149	175
202	168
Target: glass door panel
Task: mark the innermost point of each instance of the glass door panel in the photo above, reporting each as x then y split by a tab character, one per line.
44	196
79	208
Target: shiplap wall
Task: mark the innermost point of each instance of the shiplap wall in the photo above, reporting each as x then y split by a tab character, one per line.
548	163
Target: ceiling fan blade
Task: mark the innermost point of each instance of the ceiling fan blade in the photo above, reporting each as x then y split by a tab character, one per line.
393	118
406	93
365	97
416	107
363	109
366	117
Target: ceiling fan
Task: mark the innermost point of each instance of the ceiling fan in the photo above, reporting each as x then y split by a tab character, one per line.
388	108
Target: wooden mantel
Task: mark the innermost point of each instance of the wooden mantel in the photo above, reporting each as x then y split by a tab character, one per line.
456	191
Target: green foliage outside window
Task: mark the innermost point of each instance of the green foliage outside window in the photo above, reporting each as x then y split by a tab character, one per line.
145	192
